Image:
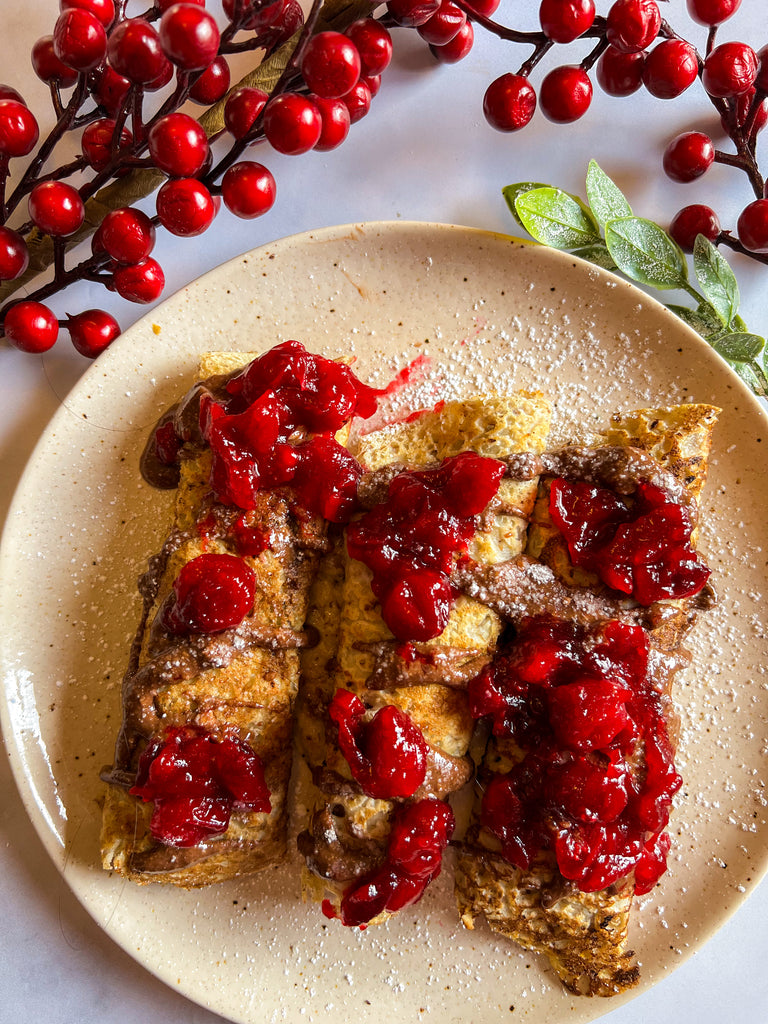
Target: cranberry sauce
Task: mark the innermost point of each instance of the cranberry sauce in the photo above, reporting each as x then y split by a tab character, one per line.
211	593
196	780
409	541
598	777
387	755
420	832
642	549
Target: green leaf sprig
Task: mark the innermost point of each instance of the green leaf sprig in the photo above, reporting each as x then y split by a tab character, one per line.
604	231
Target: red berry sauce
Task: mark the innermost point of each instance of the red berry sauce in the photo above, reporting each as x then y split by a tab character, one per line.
387	754
420	832
642	549
196	780
211	593
598	775
409	541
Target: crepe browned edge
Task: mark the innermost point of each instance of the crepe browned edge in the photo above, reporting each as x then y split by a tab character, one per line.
584	935
343	822
254	694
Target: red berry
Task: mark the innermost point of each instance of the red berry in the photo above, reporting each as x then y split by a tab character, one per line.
79	39
127	235
357	101
47	65
248	189
104	10
729	70
412	13
688	156
109	89
565	94
134	51
692	221
458	48
31	326
752	226
92	331
743	109
632	25
18	129
443	25
565	20
56	208
620	74
139	282
509	103
255	14
374	84
185	207
14	255
242	108
189	36
335	117
374	44
7	92
211	593
670	68
162	78
213	84
178	145
331	64
97	142
712	12
292	123
164	5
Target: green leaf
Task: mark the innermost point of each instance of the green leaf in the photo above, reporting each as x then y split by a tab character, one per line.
702	319
557	218
738	347
511	192
716	278
645	252
752	378
606	199
597	254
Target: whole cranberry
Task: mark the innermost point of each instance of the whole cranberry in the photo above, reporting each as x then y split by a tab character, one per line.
92	331
761	82
255	14
331	64
670	68
127	235
443	26
509	103
248	189
292	124
178	145
31	326
79	39
162	78
336	121
108	89
98	139
691	221
746	111
458	47
562	21
632	25
374	84
620	74
14	255
752	226
688	156
242	108
712	12
213	84
19	131
730	70
104	10
374	44
134	51
185	207
189	36
357	101
48	67
56	208
7	92
565	94
139	282
412	13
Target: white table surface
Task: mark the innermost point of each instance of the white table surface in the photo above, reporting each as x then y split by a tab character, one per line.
423	153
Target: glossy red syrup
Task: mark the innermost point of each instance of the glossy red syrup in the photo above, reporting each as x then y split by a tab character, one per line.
211	593
643	548
598	776
386	755
419	835
196	781
410	540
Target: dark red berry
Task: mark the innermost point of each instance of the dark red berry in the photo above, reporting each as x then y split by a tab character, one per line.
7	92
670	68
357	101
139	282
189	36
255	14
442	27
211	593
213	84
127	235
248	189
56	208
14	255
565	94
292	123
374	44
336	121
134	51
185	207
752	226
730	70
178	145
331	64
688	156
162	78
692	221
412	13
79	39
48	67
632	25
92	331
618	73
509	103
18	129
242	108
31	326
97	142
458	48
712	12
104	10
374	84
109	89
565	20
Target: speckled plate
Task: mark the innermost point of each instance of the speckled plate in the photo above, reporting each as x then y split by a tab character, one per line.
485	311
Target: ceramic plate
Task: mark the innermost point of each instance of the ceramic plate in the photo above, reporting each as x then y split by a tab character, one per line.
482	311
